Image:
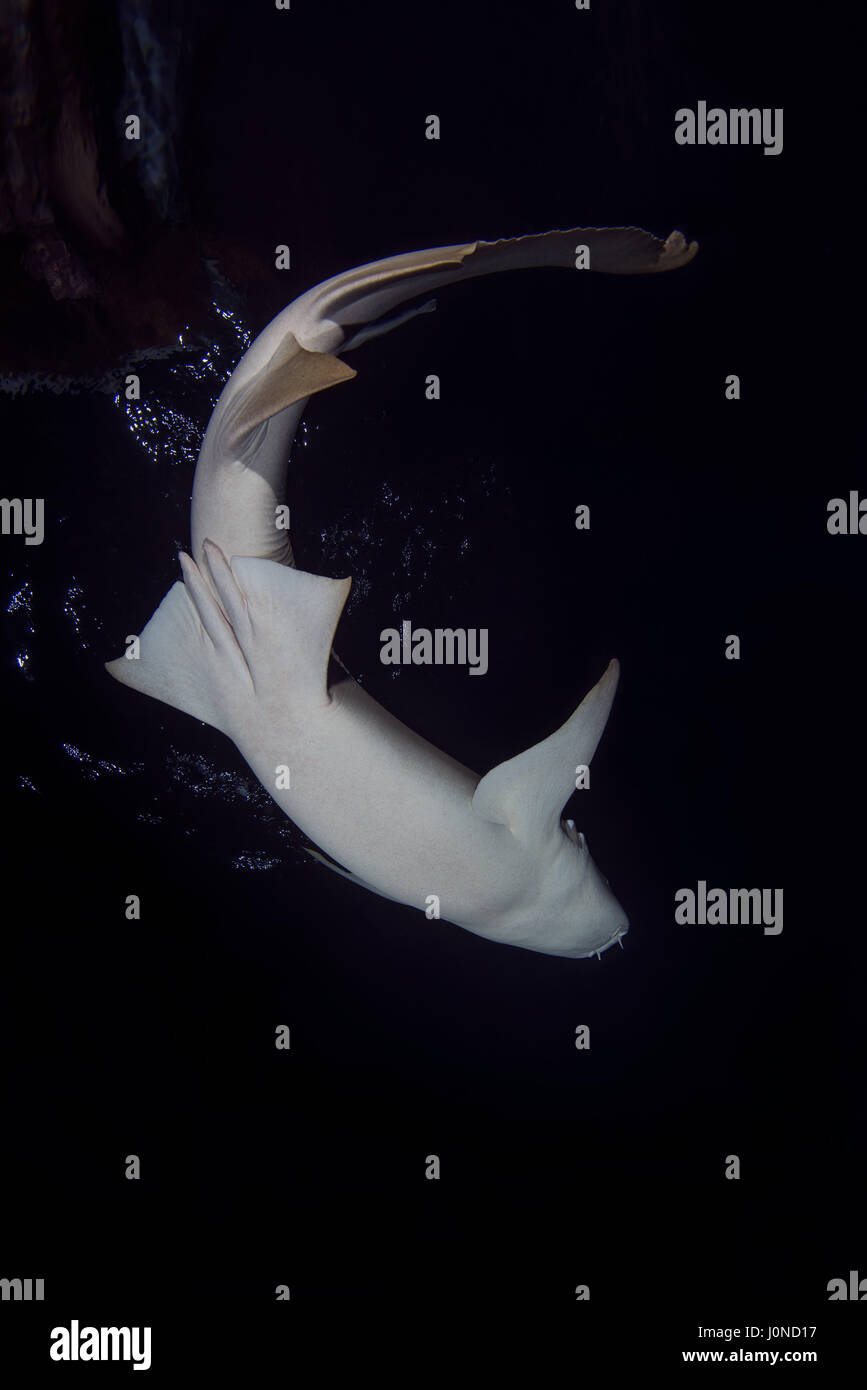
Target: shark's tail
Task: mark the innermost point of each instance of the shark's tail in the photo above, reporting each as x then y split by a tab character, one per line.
238	492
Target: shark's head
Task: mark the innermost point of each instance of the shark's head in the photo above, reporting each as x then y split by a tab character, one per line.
569	908
582	913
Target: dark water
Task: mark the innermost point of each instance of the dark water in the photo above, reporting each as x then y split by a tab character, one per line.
411	1038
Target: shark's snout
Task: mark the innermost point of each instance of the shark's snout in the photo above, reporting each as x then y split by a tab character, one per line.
613	940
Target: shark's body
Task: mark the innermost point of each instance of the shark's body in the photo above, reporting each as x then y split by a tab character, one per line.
244	643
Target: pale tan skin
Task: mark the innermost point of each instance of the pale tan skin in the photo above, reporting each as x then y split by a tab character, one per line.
244	643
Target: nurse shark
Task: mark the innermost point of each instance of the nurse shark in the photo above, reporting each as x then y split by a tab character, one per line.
244	641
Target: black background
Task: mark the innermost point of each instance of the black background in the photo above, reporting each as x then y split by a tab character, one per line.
559	1167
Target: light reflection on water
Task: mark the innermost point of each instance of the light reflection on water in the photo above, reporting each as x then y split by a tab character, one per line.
92	767
169	419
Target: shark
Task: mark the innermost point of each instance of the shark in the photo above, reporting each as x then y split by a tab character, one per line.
244	641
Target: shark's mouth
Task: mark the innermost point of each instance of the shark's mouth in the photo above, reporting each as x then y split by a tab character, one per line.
577	838
597	951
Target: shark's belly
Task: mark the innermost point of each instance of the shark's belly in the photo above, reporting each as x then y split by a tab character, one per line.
390	807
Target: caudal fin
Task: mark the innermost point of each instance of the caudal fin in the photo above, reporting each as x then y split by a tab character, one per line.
239	487
363	294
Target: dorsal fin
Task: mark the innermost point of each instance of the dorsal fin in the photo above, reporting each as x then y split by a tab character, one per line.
528	792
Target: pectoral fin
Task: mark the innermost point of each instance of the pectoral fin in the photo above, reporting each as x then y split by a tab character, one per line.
528	792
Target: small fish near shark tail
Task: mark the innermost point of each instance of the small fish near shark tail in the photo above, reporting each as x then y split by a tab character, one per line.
241	473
